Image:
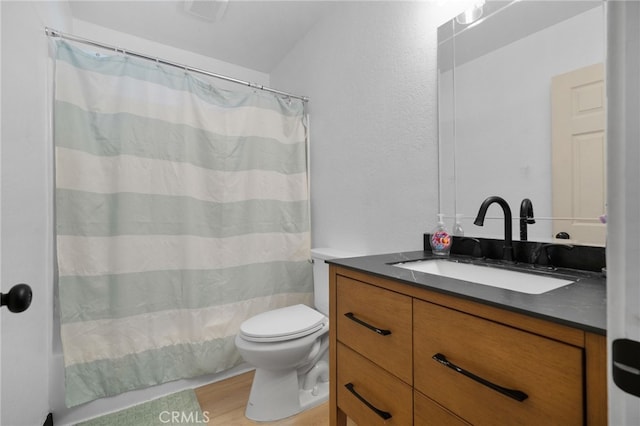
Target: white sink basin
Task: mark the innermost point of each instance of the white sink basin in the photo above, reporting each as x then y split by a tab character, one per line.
487	275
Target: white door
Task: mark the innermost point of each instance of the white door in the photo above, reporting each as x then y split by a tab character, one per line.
0	225
26	208
623	227
0	265
578	105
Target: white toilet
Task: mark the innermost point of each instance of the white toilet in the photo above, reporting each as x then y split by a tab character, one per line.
289	348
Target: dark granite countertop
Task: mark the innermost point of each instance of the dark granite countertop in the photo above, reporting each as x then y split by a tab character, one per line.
580	305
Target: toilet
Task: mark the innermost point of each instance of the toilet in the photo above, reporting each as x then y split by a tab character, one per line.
289	348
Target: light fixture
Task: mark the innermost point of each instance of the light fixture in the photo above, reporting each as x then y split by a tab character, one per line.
471	15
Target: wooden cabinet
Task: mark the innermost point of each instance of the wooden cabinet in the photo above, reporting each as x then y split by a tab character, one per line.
491	371
426	358
428	413
376	323
370	394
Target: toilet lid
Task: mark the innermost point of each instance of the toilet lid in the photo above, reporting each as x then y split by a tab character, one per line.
282	324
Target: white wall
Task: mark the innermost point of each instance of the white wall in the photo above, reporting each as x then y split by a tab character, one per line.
26	208
369	69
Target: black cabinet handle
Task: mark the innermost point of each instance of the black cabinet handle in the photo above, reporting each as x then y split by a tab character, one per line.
384	414
380	331
511	393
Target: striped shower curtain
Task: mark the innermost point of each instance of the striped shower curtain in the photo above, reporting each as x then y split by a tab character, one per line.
181	211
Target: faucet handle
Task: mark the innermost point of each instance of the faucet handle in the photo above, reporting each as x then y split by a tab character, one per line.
535	255
476	243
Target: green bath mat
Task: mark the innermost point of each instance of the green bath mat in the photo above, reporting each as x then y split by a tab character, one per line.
179	408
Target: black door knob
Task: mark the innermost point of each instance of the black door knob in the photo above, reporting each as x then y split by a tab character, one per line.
563	236
625	355
18	299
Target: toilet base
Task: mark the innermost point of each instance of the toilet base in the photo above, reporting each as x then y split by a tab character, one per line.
276	395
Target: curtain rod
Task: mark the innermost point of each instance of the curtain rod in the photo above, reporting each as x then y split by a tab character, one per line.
55	33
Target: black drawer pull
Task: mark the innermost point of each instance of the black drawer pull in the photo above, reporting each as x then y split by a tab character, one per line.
380	331
511	393
384	414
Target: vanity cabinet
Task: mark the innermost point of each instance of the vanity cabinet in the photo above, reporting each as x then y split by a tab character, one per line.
402	355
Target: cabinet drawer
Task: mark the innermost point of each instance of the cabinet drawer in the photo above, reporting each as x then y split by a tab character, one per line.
361	308
376	389
428	413
549	372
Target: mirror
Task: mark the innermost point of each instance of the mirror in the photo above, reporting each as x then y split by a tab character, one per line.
512	96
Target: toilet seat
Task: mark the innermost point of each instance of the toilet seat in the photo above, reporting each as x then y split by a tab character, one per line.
291	322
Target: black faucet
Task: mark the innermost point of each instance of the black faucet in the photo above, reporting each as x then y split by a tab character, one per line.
507	249
526	217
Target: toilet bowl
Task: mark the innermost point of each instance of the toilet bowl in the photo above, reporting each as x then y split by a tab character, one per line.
284	360
289	348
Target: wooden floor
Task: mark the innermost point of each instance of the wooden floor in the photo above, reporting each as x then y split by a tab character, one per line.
225	402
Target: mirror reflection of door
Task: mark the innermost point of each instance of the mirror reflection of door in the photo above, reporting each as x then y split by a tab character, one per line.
579	154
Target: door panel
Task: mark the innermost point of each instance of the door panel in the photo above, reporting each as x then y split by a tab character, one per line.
579	154
623	245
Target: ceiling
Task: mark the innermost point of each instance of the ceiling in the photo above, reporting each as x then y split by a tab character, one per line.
252	34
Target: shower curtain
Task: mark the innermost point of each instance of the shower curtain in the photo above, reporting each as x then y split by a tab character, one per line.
181	211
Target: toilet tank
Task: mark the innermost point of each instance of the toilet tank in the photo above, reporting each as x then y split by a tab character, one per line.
321	275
